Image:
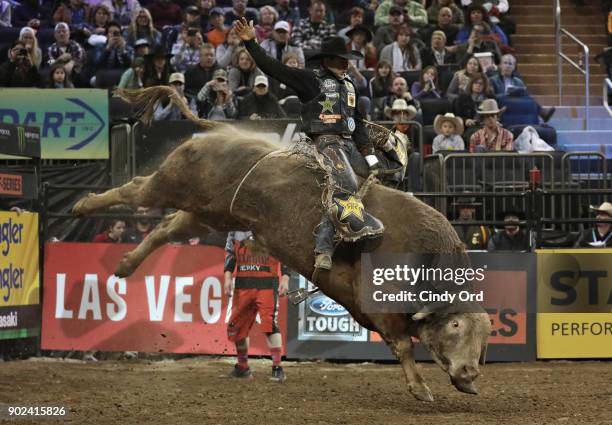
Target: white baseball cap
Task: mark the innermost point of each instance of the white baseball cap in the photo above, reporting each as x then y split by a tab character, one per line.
282	25
176	77
261	79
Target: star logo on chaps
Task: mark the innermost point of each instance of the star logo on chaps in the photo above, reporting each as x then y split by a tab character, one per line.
328	106
352	206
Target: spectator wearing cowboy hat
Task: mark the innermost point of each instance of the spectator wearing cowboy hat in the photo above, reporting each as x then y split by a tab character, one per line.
360	38
355	18
449	129
473	236
512	238
492	137
157	68
600	236
399	142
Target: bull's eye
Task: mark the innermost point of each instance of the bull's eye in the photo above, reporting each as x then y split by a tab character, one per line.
455	324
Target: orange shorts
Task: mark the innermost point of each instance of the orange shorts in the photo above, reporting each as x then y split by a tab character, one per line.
246	303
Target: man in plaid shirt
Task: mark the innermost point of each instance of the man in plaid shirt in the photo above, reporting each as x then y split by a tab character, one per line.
310	32
65	50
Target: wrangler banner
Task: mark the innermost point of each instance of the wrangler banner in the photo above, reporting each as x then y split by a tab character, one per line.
174	301
19	275
574	303
73	122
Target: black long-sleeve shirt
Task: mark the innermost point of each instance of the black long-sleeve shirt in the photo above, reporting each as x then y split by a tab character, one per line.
306	86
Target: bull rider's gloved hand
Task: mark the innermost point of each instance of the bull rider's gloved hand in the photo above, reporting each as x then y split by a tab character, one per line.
374	164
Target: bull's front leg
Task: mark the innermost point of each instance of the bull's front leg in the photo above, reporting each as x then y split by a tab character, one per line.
416	384
175	227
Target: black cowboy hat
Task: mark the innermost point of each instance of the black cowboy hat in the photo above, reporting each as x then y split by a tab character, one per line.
159	52
335	47
363	29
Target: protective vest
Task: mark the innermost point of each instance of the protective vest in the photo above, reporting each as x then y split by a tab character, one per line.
333	111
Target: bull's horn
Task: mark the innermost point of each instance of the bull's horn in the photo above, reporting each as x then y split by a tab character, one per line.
483	355
421	314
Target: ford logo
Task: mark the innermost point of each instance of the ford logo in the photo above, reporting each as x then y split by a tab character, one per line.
326	306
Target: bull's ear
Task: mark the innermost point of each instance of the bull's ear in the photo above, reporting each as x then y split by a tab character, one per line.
422	314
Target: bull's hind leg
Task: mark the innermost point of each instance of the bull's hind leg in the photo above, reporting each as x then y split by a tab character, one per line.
137	192
175	227
403	349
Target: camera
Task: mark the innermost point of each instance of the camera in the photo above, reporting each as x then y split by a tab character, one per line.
22	52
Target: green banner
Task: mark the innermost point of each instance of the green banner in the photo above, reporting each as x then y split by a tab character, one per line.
73	122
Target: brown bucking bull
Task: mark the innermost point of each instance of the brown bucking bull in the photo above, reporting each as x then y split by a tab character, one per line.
228	180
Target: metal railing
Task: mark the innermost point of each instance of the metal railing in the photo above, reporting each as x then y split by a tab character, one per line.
607	91
559	32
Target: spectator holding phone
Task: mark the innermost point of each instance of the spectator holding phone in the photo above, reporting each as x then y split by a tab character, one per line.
215	100
18	71
186	50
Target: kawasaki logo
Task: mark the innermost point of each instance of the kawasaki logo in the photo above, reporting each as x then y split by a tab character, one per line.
81	124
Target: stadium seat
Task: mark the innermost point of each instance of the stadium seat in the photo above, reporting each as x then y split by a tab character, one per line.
546	133
411	77
119	110
108	78
433	107
428	136
519	110
292	106
9	35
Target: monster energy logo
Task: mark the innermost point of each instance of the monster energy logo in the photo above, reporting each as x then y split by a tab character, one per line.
21	139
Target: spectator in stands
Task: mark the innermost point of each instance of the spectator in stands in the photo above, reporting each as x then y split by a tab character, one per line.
505	82
386	34
444	24
427	86
433	12
477	44
142	47
216	101
461	79
66	51
473	236
308	33
449	129
360	39
157	68
492	137
165	13
414	12
204	9
28	36
437	53
18	71
466	105
279	44
380	85
122	11
287	11
132	78
186	50
225	52
355	18
176	34
267	18
32	13
600	236
5	14
241	77
280	90
402	54
170	111
399	90
116	54
217	33
144	226
512	238
476	14
201	73
260	103
74	13
58	79
113	233
240	10
495	8
142	27
98	19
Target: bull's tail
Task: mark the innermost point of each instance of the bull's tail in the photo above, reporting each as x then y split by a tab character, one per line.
144	101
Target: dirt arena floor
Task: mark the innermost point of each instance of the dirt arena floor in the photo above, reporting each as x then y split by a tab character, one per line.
197	391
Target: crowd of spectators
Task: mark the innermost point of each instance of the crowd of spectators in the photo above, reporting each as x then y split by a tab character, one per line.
412	50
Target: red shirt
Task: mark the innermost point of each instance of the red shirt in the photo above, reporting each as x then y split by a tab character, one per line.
105	238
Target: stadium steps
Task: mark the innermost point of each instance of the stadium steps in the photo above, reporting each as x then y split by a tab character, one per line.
568	121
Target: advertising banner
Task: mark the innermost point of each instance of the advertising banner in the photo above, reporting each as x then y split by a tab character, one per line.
574	303
174	301
73	122
20	140
324	329
19	275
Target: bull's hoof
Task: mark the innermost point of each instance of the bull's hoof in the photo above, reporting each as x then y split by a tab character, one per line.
465	387
421	392
125	267
82	208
